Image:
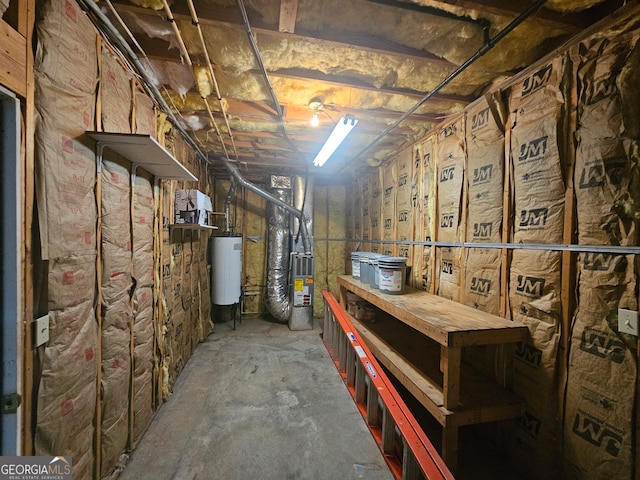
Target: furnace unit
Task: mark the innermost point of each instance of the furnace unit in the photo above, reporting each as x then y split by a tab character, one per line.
301	291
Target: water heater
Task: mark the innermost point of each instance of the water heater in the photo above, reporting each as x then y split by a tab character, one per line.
226	270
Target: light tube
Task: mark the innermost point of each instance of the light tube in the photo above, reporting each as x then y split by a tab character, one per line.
339	133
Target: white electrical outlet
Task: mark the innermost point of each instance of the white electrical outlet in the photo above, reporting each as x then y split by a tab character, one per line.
41	333
628	321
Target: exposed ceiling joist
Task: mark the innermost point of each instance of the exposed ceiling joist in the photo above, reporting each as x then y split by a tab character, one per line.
376	119
429	10
371	43
288	13
546	16
378	60
307	75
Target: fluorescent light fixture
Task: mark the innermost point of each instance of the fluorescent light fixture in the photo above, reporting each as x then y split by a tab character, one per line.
339	133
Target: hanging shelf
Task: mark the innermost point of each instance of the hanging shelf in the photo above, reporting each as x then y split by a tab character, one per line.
144	151
193	226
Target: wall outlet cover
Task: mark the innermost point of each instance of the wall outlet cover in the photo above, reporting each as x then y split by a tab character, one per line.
41	333
628	321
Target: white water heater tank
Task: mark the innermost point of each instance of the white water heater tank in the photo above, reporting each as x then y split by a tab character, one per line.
226	270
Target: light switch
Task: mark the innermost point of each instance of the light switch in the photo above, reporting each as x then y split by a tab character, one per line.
628	321
41	333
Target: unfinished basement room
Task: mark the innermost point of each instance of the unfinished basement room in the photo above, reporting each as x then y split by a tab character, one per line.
330	239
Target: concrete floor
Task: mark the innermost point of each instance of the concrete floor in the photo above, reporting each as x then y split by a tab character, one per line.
260	402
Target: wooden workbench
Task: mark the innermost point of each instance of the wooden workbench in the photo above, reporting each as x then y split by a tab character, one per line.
429	364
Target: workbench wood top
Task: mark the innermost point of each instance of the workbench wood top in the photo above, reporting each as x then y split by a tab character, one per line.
447	322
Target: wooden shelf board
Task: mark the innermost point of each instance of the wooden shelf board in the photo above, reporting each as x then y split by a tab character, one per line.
482	400
193	226
146	152
447	322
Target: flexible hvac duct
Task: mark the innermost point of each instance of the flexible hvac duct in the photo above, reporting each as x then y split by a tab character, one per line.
250	186
303	201
280	244
277	298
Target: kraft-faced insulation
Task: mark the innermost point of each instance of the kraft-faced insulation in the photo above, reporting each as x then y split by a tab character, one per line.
428	204
601	387
143	331
485	167
66	77
117	315
451	152
536	108
375	206
389	195
405	193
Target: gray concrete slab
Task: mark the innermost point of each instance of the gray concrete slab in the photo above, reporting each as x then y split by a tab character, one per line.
260	402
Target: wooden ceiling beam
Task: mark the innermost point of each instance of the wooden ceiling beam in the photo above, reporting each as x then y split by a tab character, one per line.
276	159
305	143
311	75
250	161
261	112
367	125
317	134
574	21
265	112
255	145
370	43
252	109
288	13
210	16
433	11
